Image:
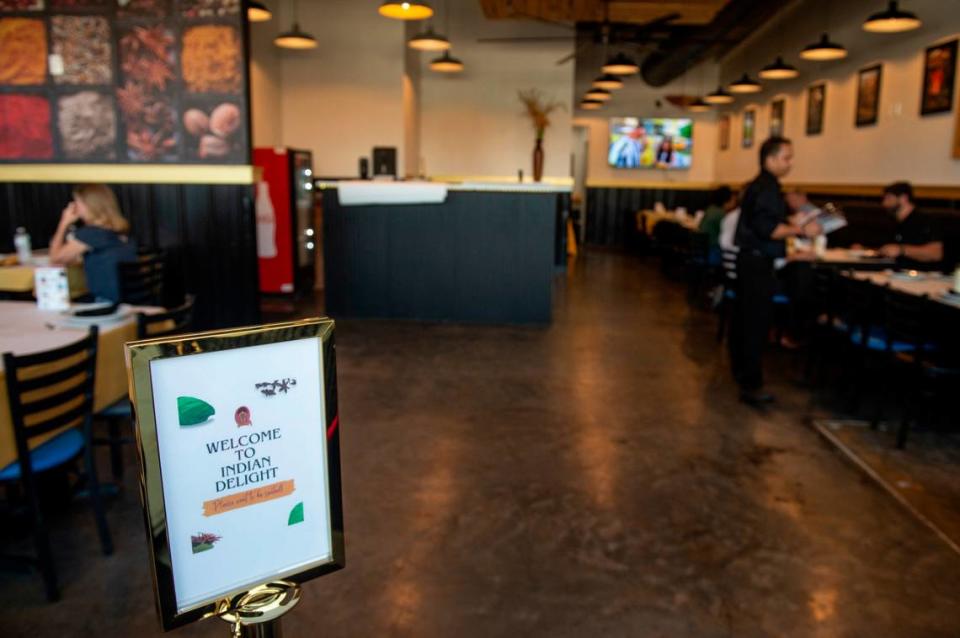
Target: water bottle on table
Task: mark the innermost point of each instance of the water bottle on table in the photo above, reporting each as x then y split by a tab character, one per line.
21	241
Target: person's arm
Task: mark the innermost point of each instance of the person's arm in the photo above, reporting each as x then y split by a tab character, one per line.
766	222
929	252
65	251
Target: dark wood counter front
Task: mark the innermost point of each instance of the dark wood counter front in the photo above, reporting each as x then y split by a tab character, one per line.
479	257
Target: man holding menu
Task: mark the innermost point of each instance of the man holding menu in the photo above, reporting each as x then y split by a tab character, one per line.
761	233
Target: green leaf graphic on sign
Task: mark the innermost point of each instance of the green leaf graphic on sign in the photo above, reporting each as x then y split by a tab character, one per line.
193	411
296	514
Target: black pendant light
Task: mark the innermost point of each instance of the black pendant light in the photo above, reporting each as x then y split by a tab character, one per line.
405	10
608	82
744	85
698	106
778	70
258	12
591	105
893	20
446	63
429	40
718	97
621	64
601	95
823	50
295	38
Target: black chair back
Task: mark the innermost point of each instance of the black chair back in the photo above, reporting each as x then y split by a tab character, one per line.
824	298
729	261
698	247
141	281
862	306
64	380
164	324
906	320
945	356
67	374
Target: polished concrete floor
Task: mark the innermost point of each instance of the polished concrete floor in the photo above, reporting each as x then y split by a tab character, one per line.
593	478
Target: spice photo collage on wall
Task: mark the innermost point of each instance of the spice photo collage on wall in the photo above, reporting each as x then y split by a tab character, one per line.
128	81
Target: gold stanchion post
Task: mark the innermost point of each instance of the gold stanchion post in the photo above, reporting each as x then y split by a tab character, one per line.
257	613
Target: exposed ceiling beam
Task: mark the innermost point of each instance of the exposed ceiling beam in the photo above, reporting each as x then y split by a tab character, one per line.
627	11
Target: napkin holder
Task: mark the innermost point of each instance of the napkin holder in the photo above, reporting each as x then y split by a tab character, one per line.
51	288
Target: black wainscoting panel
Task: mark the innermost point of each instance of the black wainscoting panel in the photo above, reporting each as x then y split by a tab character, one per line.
611	212
485	257
208	233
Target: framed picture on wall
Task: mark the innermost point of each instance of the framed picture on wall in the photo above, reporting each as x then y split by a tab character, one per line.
749	127
956	137
816	98
868	95
939	73
724	132
776	117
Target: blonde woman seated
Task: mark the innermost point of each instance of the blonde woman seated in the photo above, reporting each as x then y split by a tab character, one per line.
93	230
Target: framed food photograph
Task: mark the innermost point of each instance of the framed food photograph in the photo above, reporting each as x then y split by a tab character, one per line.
816	99
939	74
240	461
724	132
777	108
868	95
749	127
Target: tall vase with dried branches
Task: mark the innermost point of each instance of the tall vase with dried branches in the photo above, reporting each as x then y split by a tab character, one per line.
538	109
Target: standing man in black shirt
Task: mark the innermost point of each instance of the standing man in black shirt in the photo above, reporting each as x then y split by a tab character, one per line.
917	243
761	233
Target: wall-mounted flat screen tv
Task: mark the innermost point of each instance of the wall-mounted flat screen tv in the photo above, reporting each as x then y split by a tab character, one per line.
650	142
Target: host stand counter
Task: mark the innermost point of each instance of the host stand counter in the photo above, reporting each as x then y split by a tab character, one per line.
484	253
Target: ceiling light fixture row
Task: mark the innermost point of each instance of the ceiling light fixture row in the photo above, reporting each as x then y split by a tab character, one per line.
601	90
891	20
427	39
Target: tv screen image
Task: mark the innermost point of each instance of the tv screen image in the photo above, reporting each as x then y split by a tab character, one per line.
654	142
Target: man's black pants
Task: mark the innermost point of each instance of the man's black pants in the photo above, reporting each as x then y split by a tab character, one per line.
752	312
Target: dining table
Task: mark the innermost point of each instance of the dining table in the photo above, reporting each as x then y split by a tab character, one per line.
650	218
935	286
860	259
25	329
18	278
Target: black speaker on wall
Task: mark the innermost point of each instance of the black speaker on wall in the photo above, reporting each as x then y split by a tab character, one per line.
385	161
364	168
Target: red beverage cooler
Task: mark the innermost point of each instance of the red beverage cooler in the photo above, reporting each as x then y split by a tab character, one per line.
286	233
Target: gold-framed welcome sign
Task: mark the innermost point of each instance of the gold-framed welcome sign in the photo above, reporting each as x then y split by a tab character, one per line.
238	439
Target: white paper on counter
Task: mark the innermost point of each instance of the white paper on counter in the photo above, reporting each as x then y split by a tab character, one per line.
365	193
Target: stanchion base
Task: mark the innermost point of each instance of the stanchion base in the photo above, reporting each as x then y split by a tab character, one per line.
256	613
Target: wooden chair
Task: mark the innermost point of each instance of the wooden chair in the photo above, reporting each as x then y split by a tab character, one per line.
149	326
64	380
142	281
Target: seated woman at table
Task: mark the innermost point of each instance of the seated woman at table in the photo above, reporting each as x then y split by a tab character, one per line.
93	230
917	243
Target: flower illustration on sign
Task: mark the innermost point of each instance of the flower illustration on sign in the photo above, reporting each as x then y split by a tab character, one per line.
203	541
